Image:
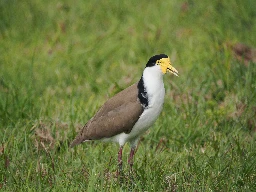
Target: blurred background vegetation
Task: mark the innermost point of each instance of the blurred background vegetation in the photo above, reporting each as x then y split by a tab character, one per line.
60	60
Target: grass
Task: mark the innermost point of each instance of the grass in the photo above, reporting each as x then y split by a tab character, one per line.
60	60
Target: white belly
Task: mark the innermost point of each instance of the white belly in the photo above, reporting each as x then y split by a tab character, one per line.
147	119
153	82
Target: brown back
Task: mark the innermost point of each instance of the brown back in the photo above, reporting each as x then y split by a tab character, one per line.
117	115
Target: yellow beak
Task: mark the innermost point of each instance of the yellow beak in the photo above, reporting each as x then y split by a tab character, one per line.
172	70
166	66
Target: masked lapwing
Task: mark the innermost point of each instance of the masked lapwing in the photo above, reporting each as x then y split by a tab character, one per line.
128	114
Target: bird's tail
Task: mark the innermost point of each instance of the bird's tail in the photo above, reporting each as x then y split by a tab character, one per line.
80	137
76	141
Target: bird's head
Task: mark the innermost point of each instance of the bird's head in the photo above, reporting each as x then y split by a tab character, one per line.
163	61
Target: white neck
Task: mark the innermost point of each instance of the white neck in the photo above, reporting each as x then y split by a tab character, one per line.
153	82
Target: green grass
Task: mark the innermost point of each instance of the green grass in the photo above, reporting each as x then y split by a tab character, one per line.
60	60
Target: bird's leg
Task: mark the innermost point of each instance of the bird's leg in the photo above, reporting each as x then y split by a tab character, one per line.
130	160
120	162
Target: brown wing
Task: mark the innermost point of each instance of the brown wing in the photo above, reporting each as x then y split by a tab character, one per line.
117	115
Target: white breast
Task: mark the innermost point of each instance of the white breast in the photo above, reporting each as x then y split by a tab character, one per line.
153	82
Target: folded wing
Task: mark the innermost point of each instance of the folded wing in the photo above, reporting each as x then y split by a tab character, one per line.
117	115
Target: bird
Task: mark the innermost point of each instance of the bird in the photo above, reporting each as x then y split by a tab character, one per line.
131	112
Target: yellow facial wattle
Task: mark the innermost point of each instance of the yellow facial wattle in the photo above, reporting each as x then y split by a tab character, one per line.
166	66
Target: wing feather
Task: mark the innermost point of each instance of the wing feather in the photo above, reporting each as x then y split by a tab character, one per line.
117	115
